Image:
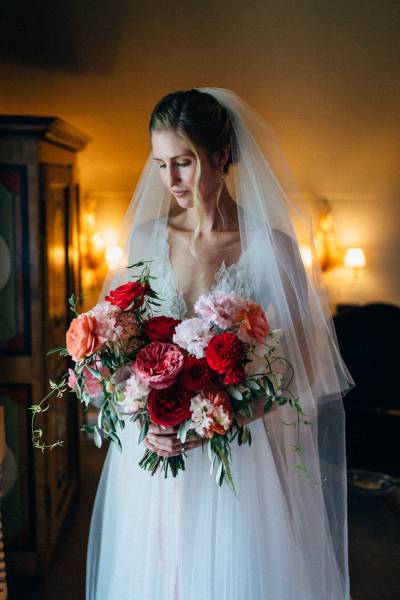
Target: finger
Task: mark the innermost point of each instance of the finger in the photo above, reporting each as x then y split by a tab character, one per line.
165	442
149	445
167	445
159	430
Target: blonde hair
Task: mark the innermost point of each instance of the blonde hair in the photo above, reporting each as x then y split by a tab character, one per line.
201	122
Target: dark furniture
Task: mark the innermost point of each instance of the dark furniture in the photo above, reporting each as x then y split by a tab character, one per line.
39	268
369	337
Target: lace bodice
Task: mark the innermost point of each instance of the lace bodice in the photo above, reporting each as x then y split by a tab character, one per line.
227	278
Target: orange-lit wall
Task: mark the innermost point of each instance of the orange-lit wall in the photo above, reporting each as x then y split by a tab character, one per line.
325	75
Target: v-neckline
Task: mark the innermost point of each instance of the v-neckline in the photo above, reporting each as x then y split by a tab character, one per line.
217	275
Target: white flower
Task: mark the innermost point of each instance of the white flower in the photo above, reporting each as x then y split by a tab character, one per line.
221	417
130	393
193	335
105	314
202	410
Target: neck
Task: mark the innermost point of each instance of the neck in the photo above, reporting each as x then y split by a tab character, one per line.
215	218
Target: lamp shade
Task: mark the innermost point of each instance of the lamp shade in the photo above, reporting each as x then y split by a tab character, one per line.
354	258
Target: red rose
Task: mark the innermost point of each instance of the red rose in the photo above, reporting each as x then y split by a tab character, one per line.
224	352
196	374
159	364
235	375
160	329
170	406
127	296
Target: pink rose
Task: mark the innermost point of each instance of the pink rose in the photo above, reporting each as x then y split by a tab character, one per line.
254	326
159	364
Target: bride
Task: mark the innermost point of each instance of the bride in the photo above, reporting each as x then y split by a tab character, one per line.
215	209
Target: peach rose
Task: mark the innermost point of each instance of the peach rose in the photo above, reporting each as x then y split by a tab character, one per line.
82	339
254	326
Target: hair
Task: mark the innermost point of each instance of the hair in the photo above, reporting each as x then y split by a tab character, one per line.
201	122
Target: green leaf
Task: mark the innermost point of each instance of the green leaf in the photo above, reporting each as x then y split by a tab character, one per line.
268	405
54	350
252	384
113	436
97	438
95	373
219	472
143	432
246	435
234	393
183	430
88	428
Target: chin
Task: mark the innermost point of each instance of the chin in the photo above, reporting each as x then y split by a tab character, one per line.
184	202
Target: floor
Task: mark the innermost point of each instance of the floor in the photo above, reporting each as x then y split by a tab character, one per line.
374	531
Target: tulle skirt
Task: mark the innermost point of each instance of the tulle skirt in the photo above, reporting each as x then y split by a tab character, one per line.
186	538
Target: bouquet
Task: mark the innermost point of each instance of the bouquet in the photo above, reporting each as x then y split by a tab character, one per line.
198	375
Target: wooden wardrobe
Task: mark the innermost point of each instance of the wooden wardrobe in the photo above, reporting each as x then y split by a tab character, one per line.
39	269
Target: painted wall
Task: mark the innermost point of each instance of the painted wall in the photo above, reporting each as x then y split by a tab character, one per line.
325	75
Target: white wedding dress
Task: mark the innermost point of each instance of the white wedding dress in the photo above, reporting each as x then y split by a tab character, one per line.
185	538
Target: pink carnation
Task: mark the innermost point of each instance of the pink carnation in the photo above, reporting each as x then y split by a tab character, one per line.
92	384
71	379
159	364
106	328
219	308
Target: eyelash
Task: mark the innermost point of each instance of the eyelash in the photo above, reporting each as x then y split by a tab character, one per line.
184	164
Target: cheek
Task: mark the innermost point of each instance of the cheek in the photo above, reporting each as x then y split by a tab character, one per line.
188	176
163	176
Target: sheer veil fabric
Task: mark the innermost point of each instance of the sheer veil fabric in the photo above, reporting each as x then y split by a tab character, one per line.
284	537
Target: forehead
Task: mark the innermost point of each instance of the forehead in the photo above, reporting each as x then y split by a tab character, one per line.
167	144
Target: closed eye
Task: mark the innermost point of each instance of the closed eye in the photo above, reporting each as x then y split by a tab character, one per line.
182	164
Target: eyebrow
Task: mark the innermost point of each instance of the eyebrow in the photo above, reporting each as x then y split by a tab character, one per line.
172	157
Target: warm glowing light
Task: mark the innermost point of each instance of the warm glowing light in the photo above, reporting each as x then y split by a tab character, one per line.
113	256
98	242
306	255
354	258
57	255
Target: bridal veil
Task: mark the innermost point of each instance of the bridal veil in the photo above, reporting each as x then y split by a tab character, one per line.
273	220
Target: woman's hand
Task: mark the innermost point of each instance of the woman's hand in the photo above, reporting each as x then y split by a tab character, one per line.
164	442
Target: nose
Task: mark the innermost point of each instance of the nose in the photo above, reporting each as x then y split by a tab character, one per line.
172	176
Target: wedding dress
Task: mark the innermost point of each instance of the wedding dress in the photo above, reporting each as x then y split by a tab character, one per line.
185	538
282	536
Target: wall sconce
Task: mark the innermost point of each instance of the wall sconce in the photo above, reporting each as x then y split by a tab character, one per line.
329	252
99	251
354	258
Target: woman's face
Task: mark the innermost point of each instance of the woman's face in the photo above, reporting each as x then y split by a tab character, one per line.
177	168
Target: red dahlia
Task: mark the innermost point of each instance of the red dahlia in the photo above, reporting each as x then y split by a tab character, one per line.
224	352
170	406
235	375
196	373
